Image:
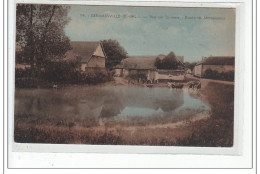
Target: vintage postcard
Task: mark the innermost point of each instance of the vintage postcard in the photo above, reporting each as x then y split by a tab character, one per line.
124	75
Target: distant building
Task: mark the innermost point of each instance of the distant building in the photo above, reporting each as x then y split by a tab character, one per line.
91	54
215	63
144	66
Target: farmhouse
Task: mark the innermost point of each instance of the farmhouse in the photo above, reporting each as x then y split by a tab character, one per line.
215	63
91	54
144	67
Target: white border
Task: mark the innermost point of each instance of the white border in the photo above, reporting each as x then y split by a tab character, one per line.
242	126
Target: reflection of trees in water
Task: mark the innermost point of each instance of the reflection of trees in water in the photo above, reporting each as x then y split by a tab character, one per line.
169	105
172	102
164	98
112	106
95	102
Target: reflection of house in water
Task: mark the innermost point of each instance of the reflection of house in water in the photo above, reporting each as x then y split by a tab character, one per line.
113	101
158	98
144	67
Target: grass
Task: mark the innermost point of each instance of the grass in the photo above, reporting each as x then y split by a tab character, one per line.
218	129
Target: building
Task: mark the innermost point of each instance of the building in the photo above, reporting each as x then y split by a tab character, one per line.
215	63
91	54
144	67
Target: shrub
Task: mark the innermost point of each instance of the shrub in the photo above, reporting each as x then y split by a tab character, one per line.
19	73
94	77
209	73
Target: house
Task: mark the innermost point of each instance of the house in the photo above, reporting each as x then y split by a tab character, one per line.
144	67
215	63
91	54
141	65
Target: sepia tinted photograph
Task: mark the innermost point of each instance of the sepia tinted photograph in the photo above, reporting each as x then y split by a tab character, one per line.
124	75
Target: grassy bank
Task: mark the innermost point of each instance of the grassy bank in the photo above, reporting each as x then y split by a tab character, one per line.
218	129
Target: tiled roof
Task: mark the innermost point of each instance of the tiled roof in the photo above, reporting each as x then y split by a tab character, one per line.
218	60
139	62
84	50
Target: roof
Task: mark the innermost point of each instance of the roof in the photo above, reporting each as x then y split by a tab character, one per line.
218	60
84	50
139	62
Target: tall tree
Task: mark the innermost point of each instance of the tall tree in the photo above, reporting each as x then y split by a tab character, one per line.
40	32
168	62
114	52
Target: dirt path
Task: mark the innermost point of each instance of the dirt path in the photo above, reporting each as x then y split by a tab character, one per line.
204	82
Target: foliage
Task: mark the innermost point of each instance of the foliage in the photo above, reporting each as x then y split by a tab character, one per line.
94	77
213	74
61	71
114	52
169	62
40	33
19	73
190	65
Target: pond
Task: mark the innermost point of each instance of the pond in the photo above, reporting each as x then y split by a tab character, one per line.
92	106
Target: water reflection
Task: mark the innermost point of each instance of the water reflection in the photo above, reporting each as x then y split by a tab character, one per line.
82	104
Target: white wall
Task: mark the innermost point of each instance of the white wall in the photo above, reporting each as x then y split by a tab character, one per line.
197	70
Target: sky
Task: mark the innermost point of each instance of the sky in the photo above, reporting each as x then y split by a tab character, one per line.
190	32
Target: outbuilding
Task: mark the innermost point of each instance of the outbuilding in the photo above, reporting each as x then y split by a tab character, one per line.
215	63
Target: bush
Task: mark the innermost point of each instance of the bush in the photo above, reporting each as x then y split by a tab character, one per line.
19	73
94	77
210	74
61	72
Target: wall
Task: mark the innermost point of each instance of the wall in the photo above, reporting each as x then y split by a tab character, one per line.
219	68
99	52
169	77
118	72
125	72
96	61
198	70
83	66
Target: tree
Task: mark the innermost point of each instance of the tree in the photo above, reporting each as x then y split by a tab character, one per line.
168	62
190	65
158	63
40	32
114	51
